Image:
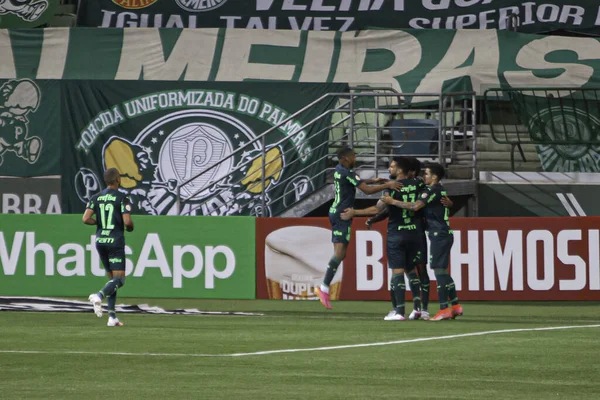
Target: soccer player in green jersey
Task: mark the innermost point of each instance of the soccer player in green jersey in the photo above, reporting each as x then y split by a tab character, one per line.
402	238
440	237
421	258
112	210
345	181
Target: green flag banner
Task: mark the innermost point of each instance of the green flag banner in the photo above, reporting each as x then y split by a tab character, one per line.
409	61
29	128
26	13
342	15
573	120
162	134
169	257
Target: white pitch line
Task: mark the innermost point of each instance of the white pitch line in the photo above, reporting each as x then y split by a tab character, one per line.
425	339
267	352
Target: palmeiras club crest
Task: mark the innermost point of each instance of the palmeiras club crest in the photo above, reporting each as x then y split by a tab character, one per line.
172	151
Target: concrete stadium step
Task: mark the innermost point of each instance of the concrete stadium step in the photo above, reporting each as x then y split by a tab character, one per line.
486	130
520	166
483	156
489	144
457	171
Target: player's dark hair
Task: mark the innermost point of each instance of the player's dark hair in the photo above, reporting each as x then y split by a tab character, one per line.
110	176
403	163
415	165
397	159
438	170
344	152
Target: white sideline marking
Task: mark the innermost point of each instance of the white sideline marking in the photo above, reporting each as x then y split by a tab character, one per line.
346	346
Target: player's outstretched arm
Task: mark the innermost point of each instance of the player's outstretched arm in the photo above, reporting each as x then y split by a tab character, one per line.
392	185
379	217
375	181
87	217
349	213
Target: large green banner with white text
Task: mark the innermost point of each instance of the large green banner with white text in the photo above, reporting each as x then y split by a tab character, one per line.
164	135
170	257
26	13
425	61
30	127
342	15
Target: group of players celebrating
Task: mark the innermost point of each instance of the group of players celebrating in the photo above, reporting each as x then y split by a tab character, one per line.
415	208
412	205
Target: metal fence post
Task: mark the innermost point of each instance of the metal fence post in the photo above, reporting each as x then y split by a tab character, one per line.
263	176
475	175
452	124
351	133
441	133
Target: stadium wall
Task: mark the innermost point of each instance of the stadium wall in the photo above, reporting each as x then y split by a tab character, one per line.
499	259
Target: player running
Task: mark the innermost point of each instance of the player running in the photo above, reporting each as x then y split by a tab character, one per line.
112	210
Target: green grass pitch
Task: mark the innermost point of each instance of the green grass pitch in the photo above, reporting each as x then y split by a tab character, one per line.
73	356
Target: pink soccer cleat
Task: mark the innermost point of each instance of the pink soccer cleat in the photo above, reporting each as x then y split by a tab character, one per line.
324	297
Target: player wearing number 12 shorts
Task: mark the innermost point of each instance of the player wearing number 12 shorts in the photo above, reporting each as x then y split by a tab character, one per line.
112	210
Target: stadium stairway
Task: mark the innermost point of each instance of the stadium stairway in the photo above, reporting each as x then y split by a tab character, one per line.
494	156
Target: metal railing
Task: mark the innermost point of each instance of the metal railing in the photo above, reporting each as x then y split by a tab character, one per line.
375	123
561	117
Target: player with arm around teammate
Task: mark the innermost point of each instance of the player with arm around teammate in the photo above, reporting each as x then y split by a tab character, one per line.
402	238
112	210
440	237
422	253
421	257
345	181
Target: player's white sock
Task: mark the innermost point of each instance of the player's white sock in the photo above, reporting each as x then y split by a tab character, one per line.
324	289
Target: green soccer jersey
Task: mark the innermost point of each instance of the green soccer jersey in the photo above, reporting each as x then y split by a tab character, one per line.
345	182
420	215
402	219
436	213
109	207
